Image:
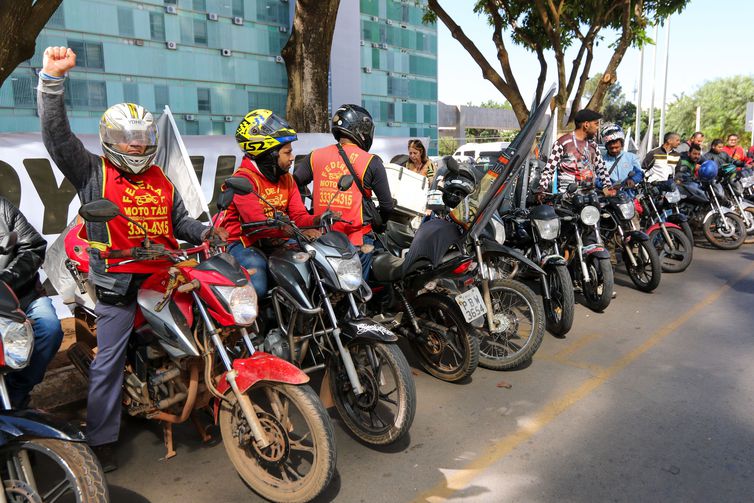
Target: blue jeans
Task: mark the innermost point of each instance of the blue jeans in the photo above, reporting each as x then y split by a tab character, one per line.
366	258
48	335
251	258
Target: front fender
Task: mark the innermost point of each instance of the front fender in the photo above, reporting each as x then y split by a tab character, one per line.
35	424
490	247
596	251
636	236
711	213
366	329
553	260
677	218
667	224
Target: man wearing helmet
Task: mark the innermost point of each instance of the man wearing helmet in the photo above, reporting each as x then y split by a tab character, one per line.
575	156
125	172
623	168
266	140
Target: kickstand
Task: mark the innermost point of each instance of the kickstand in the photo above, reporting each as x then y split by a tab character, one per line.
206	437
167	431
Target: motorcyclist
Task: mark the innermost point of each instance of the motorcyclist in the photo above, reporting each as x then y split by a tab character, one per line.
126	176
697	138
733	149
353	128
690	163
575	156
266	140
19	269
623	168
659	164
720	156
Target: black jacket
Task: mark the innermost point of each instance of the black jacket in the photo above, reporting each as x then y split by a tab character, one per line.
19	269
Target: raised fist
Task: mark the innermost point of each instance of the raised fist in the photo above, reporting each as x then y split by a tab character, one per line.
58	61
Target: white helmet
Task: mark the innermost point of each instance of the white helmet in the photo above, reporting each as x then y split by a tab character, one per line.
129	124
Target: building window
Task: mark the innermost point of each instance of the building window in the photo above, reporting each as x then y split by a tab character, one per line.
130	92
125	22
192	127
200	5
88	54
57	20
200	31
203	99
171	2
85	94
238	8
161	97
24	94
157	25
268	101
218	127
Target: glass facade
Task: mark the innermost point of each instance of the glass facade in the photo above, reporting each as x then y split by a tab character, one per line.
213	60
399	68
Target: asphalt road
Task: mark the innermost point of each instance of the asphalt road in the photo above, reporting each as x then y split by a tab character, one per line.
652	400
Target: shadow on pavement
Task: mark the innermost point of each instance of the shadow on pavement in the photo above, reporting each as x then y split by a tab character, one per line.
122	495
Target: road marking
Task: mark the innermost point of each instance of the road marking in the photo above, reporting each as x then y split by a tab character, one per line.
462	478
578	344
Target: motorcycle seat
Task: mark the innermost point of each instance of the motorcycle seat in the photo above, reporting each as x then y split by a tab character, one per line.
387	267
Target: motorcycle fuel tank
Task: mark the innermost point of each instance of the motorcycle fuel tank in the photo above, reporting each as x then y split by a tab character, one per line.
169	324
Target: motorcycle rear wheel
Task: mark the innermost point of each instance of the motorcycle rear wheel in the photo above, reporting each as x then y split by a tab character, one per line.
750	229
719	237
389	397
598	292
451	350
672	260
67	470
648	271
303	441
560	307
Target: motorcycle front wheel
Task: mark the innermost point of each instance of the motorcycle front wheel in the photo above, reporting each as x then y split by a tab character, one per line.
749	220
598	291
560	307
300	461
726	232
647	272
45	469
676	258
383	413
449	349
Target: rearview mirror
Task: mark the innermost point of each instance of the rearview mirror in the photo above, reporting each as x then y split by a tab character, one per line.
8	242
101	210
345	182
240	185
572	187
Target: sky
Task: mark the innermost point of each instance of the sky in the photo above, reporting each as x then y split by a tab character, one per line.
708	39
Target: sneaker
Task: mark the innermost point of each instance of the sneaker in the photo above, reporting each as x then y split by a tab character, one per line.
106	456
615	294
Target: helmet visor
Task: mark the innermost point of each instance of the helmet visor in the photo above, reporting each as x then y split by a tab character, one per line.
142	136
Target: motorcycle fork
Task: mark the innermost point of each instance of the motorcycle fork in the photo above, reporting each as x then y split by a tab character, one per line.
20	464
739	204
543	279
579	249
485	286
345	355
627	249
257	430
660	221
718	209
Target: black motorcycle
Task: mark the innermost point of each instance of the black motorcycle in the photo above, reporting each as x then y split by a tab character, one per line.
313	320
43	459
720	224
639	257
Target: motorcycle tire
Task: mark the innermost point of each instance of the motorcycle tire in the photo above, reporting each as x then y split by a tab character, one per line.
688	231
520	326
360	412
648	270
560	308
57	463
676	260
725	240
262	469
599	291
749	230
450	351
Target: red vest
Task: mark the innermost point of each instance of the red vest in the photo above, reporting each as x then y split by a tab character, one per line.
327	168
149	202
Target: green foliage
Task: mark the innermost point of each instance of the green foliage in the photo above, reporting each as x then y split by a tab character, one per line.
447	145
723	109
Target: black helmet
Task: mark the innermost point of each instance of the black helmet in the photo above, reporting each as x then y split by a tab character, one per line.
458	185
355	123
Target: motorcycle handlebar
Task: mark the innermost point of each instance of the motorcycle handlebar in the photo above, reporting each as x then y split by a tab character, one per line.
260	223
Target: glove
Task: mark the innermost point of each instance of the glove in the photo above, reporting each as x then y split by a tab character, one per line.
630	184
608	192
379	229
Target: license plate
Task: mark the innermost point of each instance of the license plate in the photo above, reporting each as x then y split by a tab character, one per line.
471	304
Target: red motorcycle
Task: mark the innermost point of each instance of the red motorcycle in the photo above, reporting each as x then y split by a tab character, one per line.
191	346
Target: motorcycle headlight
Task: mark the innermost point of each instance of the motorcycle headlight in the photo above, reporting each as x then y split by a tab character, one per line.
627	210
590	215
18	342
548	229
673	196
348	271
242	302
498	231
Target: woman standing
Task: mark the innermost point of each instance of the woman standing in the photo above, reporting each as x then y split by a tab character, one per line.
418	162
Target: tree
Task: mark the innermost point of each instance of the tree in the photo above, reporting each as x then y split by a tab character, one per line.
20	22
723	109
447	145
307	60
554	26
615	108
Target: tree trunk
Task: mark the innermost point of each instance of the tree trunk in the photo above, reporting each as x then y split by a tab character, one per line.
307	59
20	22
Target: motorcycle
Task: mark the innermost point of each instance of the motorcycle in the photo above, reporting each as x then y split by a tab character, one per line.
589	264
369	379
43	459
735	181
190	335
639	256
668	238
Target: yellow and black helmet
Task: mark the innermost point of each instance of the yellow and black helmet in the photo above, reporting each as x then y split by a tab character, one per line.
262	131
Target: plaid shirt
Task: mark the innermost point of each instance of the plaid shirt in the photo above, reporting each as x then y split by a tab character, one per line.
574	162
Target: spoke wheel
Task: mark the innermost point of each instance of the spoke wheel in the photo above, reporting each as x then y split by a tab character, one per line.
300	461
726	232
599	290
647	272
560	307
675	258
